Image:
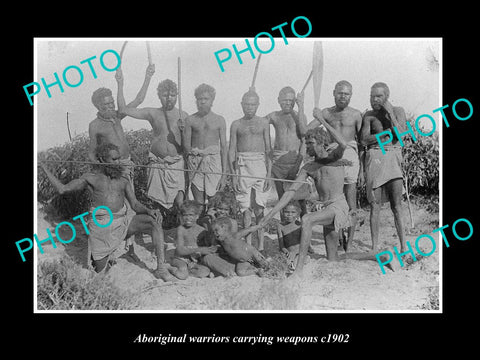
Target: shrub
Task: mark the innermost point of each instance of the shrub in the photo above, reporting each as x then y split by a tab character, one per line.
64	285
69	205
421	166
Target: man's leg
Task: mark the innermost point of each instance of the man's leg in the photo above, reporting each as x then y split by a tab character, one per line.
142	223
198	195
218	265
375	207
394	190
279	189
99	265
350	191
258	210
322	217
331	238
245	269
247	222
200	271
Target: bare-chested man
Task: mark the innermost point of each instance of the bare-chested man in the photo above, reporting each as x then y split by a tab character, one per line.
205	146
166	185
109	188
348	122
107	127
383	172
249	151
290	127
327	171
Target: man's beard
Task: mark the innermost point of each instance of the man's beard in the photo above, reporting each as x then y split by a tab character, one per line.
113	171
108	114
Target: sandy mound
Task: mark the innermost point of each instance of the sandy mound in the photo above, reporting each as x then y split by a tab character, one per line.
344	285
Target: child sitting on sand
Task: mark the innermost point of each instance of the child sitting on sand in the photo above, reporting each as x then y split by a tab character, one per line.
246	258
189	236
220	205
289	232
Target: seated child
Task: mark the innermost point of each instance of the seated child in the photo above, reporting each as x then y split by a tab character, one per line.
289	232
247	259
220	205
189	236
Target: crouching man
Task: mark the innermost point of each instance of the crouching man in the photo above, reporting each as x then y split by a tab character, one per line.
110	189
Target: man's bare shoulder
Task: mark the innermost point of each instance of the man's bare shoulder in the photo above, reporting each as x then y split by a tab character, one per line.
370	115
399	111
312	165
353	111
235	123
218	119
263	120
92	177
94	123
273	116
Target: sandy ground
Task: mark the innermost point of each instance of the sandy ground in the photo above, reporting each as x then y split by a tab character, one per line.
344	285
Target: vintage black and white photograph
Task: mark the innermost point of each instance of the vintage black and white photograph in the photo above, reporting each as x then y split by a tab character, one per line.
232	175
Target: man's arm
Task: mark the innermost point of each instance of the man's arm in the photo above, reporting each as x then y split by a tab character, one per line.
285	199
143	90
137	206
316	120
268	150
337	137
300	118
232	153
223	152
74	185
232	147
187	136
281	244
367	138
130	109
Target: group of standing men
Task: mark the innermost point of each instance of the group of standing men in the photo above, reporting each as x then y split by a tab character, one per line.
197	143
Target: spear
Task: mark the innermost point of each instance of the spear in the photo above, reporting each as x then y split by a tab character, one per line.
68	128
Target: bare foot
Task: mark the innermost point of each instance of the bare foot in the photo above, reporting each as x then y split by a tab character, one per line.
297	275
164	274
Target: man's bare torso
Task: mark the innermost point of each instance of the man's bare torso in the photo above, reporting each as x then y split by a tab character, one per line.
167	136
205	129
106	191
379	122
328	179
250	134
346	121
111	132
286	134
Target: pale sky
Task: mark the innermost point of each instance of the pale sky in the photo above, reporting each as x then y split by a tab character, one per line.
401	63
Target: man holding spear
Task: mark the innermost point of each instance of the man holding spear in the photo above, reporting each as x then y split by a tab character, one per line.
166	184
